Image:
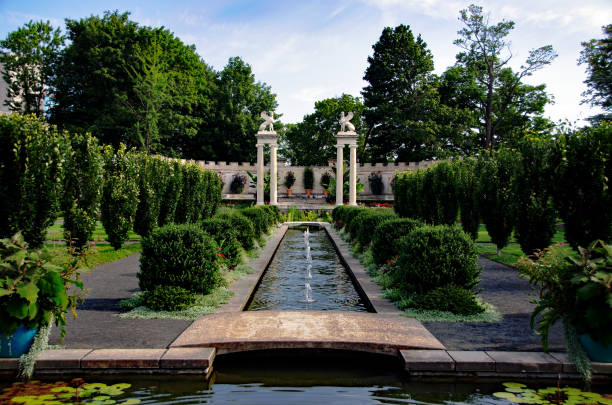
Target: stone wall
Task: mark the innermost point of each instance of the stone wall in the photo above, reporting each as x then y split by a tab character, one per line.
227	170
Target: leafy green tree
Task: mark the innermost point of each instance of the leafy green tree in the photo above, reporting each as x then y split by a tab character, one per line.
119	194
127	83
583	188
487	53
497	205
28	56
533	191
83	180
597	55
238	103
312	142
399	98
31	159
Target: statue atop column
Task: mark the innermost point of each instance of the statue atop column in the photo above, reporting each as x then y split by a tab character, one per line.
345	123
268	117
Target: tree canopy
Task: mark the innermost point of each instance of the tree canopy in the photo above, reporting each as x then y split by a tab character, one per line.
28	56
597	55
312	142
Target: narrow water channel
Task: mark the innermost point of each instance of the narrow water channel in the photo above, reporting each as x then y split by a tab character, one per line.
283	284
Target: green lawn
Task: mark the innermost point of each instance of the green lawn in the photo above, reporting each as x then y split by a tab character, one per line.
483	235
97	255
56	232
512	252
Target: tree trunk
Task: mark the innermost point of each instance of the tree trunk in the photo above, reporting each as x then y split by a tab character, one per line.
489	110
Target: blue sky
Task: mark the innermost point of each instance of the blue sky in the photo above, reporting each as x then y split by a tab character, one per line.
311	50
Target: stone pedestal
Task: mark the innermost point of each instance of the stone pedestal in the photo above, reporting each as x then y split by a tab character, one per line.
266	138
350	139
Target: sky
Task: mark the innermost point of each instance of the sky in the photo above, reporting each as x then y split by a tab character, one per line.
311	50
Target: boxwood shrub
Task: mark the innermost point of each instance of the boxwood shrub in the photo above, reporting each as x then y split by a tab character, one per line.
368	220
435	256
449	298
385	240
222	231
245	231
348	216
168	298
179	255
258	217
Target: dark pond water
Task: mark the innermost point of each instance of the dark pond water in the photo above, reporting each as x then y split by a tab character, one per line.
283	284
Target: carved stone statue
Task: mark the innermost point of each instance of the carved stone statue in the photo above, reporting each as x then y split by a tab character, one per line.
268	117
345	122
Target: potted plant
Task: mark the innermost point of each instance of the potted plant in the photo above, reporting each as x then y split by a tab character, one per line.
325	180
576	291
308	180
237	184
289	181
32	294
376	183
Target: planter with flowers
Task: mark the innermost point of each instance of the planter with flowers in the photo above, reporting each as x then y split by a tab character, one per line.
289	182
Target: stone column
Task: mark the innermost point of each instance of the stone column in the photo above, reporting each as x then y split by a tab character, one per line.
273	185
260	174
339	173
353	175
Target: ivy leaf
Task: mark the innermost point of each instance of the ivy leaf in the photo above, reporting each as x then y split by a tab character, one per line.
29	292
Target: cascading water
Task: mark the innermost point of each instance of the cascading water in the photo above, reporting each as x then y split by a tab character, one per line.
307	289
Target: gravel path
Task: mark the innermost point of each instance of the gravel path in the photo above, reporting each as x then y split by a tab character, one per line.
97	325
502	287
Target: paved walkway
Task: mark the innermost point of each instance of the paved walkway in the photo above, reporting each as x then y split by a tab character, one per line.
97	325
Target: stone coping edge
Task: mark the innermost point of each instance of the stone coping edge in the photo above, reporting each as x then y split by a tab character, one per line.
496	364
426	364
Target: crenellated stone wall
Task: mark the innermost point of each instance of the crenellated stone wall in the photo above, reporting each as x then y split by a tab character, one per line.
227	170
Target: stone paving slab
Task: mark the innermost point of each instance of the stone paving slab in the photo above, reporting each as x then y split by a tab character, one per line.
427	360
188	357
60	359
123	358
256	330
522	362
472	361
566	365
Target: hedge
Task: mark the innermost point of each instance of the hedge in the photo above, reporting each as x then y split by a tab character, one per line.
367	221
435	256
179	255
385	240
31	160
245	231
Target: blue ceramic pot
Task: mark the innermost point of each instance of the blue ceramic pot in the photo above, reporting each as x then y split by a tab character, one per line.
17	344
596	351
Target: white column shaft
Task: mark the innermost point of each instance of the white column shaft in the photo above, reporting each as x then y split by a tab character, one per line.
260	174
273	169
353	175
339	174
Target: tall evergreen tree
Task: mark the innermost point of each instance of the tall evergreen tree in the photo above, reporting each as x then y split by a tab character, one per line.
400	98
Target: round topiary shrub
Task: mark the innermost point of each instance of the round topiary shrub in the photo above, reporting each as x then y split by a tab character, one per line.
168	298
449	298
368	220
245	231
387	234
222	231
348	215
434	256
258	217
270	214
179	255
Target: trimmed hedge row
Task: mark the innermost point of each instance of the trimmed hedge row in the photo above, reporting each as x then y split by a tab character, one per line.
521	190
43	170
